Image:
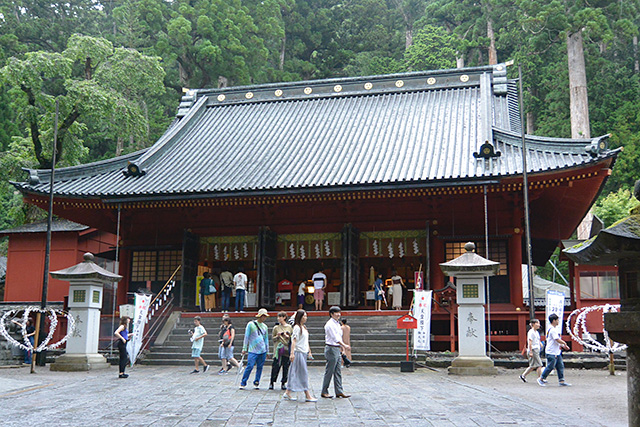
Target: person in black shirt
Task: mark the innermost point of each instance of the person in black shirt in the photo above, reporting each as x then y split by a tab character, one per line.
31	331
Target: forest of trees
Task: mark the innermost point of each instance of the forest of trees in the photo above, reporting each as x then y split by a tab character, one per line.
117	68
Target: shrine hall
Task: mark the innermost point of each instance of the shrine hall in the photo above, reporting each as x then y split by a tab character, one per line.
351	176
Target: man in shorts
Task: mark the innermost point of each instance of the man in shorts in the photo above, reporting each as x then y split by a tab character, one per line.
197	339
533	350
319	284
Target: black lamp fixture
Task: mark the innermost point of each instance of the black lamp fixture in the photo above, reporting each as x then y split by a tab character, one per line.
134	170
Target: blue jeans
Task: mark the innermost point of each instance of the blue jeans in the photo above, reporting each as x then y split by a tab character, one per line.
226	298
27	353
240	299
257	360
556	362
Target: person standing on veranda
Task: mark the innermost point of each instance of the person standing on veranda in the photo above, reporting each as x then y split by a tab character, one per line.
208	291
226	285
300	352
378	292
240	282
333	345
398	284
301	293
319	285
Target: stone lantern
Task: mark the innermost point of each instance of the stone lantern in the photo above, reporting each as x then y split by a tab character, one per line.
86	281
470	271
619	245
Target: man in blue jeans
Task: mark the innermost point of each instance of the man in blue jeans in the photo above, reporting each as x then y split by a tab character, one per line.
226	280
240	282
554	353
256	343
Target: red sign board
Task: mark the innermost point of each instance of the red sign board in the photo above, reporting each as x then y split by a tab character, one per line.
407	322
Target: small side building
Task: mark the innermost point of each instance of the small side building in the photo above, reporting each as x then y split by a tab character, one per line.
69	242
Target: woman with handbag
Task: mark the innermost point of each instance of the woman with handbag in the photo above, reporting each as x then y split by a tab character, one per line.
227	335
281	350
300	351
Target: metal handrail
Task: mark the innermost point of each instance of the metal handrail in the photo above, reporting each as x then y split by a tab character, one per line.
157	324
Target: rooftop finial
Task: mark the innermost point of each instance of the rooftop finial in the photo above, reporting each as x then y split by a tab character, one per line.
88	257
470	246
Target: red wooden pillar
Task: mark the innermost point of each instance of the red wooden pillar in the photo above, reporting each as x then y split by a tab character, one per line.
515	269
436	257
124	270
515	284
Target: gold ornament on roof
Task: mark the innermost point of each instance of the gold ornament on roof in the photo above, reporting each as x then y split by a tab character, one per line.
278	92
221	97
464	78
307	90
337	88
368	85
399	83
248	95
431	80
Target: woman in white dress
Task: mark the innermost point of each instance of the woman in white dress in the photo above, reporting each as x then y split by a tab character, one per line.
398	284
300	351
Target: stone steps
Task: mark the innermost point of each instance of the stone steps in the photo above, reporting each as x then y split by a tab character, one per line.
375	341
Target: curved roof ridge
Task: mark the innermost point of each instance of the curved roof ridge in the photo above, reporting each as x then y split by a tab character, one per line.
333	80
101	166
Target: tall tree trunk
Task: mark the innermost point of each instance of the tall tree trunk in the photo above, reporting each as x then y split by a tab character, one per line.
493	53
119	146
578	99
636	63
459	60
531	116
282	50
408	37
222	82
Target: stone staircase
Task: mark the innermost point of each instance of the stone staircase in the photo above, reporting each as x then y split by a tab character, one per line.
375	340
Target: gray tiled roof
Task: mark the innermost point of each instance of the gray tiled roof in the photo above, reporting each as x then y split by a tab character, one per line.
412	129
57	225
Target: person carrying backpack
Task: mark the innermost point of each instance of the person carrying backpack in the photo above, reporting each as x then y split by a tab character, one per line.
208	290
227	335
226	280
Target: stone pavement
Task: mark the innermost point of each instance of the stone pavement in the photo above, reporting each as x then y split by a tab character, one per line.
168	396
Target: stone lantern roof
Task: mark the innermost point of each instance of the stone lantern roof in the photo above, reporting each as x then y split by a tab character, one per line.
470	264
619	241
87	269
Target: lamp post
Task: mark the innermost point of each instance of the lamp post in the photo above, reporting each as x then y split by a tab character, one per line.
470	271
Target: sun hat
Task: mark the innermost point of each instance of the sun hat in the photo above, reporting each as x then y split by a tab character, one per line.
262	312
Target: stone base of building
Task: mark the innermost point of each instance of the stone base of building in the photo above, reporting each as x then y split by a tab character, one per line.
472	365
79	362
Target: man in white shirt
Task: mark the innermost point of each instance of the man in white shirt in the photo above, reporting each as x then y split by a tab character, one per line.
332	354
319	284
533	350
554	353
240	283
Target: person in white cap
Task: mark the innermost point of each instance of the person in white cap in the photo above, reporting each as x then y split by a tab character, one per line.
256	343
